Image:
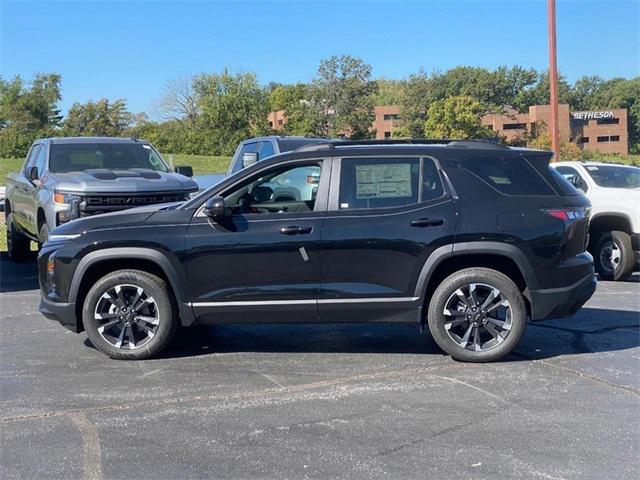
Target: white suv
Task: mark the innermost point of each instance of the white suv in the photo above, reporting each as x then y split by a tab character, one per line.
614	192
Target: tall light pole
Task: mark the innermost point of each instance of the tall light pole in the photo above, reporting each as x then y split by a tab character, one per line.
553	79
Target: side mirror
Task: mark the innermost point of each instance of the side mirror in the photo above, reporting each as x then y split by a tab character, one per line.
249	159
185	170
215	208
33	174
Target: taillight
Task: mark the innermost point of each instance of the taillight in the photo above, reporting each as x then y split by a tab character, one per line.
568	214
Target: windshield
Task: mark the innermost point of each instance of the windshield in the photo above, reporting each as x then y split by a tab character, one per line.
615	176
112	156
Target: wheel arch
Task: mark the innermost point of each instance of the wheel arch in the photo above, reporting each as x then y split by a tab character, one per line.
505	258
97	264
609	221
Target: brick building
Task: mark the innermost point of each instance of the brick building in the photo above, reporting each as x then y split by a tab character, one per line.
601	130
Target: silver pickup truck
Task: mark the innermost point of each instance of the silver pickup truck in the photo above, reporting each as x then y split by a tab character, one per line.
67	178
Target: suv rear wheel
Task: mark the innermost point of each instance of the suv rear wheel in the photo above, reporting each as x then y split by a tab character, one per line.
129	315
477	315
613	256
18	245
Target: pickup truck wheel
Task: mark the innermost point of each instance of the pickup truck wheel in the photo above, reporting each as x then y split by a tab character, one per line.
18	245
129	315
477	315
613	256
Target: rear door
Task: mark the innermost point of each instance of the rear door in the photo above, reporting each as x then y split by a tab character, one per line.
263	259
386	216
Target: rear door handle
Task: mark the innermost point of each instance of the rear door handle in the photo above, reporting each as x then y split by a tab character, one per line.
295	230
427	222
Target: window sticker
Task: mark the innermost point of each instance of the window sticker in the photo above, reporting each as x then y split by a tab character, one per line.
146	146
380	181
592	168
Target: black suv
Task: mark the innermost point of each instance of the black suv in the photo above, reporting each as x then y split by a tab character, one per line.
469	237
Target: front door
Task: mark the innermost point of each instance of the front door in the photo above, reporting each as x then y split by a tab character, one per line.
388	215
261	262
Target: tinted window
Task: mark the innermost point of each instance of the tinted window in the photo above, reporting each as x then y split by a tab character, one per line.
290	144
41	161
112	156
246	148
281	190
512	176
387	182
572	176
266	150
31	158
615	176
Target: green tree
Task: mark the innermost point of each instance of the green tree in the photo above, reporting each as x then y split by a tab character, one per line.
342	93
456	117
390	92
233	108
418	95
27	112
100	118
538	94
584	91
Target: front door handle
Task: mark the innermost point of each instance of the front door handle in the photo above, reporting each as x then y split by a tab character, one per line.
427	222
295	230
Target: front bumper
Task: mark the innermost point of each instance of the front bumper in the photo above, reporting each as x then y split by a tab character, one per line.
65	313
561	302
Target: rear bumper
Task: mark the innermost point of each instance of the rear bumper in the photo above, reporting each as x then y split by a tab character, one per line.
561	302
65	313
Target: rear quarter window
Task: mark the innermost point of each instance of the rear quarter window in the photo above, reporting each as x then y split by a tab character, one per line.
508	175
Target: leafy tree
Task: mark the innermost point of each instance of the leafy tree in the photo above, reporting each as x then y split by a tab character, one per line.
568	150
101	118
418	95
390	92
538	94
343	94
584	91
233	107
27	112
456	117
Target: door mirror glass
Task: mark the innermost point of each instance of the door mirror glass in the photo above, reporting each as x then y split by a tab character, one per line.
33	173
185	170
215	208
249	158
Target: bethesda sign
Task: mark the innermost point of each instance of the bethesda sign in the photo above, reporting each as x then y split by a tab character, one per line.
592	115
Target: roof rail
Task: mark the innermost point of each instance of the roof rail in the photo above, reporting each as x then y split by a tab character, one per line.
474	143
477	144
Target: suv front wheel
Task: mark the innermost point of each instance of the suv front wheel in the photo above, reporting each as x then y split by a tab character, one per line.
129	315
477	315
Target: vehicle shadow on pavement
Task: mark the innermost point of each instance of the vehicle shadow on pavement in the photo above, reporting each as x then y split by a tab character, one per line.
18	276
591	330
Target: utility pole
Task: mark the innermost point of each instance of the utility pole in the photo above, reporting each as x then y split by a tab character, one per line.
553	79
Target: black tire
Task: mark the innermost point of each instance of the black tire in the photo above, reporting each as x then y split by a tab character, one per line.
163	306
513	323
43	234
613	256
18	245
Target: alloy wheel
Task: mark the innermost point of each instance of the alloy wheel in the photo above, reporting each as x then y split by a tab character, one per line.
128	317
478	317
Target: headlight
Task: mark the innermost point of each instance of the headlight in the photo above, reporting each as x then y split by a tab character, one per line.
66	198
72	201
61	238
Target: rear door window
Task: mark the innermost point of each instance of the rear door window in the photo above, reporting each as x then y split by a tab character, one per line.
367	183
508	175
266	150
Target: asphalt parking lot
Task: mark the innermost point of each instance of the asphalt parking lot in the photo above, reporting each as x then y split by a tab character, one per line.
314	401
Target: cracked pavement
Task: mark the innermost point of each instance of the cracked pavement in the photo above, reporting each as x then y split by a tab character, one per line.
321	401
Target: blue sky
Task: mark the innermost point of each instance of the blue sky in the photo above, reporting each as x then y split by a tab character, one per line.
129	49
